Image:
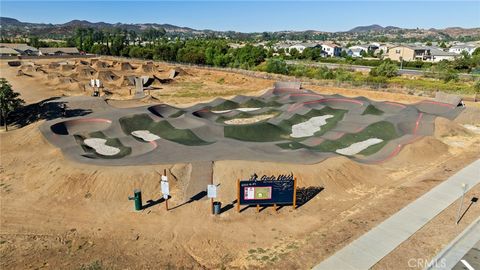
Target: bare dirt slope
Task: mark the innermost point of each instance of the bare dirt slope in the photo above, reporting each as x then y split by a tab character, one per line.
62	214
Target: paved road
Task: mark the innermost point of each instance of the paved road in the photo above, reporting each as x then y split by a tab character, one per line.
371	247
464	247
472	258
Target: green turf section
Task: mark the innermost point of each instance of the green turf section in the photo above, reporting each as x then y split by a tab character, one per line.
257	103
226	105
114	142
267	132
163	129
372	110
258	132
251	103
383	130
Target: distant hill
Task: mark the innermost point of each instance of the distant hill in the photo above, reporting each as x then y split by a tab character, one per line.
372	28
11	27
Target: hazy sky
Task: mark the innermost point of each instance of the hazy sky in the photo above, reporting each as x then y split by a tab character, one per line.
253	16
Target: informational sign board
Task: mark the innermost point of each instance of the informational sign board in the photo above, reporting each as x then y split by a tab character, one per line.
92	83
165	187
212	191
267	192
97	83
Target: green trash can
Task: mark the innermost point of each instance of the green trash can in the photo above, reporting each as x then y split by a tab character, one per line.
217	208
137	198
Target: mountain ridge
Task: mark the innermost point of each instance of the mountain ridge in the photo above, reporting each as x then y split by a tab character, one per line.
15	27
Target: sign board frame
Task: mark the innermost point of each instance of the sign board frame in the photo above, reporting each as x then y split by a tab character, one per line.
275	192
165	187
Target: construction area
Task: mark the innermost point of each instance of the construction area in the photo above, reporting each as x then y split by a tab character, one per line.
70	165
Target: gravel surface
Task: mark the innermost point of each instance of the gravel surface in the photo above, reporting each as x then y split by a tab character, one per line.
145	135
250	120
238	109
100	147
309	127
358	147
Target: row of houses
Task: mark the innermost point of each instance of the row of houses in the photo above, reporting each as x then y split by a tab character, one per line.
392	51
328	48
21	49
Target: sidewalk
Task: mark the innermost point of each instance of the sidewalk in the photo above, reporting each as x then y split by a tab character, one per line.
371	247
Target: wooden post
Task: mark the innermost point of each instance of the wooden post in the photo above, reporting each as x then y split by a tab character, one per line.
211	182
275	208
238	195
258	208
166	203
294	193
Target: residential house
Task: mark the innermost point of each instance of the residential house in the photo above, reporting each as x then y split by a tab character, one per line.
302	46
383	49
59	51
408	53
331	49
280	46
459	48
5	51
437	55
21	48
356	51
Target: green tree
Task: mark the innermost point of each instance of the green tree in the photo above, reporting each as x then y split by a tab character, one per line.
294	53
277	65
476	86
442	71
100	49
386	69
9	101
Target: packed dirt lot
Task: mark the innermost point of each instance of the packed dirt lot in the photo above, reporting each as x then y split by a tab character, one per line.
60	214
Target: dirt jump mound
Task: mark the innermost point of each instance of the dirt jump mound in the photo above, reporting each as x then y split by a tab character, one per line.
107	76
124	66
67	67
177	72
127	80
99	64
85	72
148	67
